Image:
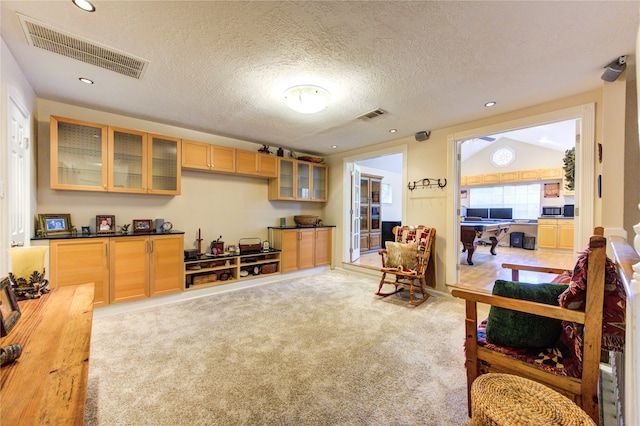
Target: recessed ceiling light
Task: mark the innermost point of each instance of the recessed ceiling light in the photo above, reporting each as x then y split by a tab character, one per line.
307	99
392	130
334	146
85	80
490	104
85	5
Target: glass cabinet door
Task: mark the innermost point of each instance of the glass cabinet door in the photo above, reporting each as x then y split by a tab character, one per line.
364	191
303	181
319	183
164	161
127	168
364	218
375	218
78	155
286	172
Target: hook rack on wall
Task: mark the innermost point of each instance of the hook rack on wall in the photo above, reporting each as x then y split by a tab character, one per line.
427	183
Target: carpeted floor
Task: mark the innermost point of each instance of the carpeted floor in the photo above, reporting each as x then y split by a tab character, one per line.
318	350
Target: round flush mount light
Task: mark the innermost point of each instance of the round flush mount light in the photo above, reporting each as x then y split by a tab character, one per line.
307	99
85	80
85	5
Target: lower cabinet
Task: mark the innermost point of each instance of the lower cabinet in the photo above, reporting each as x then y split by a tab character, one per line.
555	233
145	266
81	261
303	248
122	268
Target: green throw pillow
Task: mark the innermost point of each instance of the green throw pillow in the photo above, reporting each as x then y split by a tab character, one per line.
519	329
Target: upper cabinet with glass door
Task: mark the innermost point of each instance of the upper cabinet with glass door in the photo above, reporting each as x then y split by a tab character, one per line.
78	155
94	157
299	181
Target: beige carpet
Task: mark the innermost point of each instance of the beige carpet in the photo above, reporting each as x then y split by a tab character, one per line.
318	350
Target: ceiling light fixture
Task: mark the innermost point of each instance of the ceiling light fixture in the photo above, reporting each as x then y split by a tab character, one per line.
490	104
614	69
85	5
85	80
392	130
334	146
307	99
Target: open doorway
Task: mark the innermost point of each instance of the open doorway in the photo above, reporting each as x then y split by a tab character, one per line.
376	203
583	197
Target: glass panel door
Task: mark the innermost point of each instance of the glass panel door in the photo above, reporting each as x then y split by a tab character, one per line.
303	181
319	183
127	172
286	179
165	177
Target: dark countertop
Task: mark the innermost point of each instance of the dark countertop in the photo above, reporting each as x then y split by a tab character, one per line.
110	235
301	227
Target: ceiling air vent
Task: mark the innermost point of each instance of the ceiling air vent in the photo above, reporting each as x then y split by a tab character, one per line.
372	114
54	40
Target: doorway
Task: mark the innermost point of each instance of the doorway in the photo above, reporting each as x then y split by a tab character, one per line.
375	199
584	173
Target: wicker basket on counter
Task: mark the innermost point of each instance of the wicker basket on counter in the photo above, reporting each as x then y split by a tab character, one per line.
306	220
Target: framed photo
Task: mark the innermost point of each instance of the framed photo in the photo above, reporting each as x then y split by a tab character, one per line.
9	310
231	248
105	224
464	193
551	190
54	224
142	226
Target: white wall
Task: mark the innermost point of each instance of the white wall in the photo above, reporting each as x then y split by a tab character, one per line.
12	81
232	206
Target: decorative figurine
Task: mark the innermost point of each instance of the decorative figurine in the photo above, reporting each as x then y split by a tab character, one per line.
264	149
280	152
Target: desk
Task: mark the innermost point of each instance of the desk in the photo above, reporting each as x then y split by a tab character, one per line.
471	232
47	384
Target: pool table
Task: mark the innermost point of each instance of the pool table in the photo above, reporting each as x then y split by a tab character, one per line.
483	230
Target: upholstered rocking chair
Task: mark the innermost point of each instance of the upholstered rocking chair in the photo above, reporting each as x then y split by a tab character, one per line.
410	259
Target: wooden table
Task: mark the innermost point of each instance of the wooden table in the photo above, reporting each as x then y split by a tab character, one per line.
473	231
47	384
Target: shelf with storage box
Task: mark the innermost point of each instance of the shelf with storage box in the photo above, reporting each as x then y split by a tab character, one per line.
303	248
122	267
370	213
513	176
299	180
555	233
95	157
209	270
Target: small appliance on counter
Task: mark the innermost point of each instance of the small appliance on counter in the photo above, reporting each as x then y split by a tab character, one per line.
568	210
551	211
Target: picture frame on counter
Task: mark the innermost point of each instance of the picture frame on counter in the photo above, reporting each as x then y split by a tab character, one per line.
105	224
52	224
142	226
9	309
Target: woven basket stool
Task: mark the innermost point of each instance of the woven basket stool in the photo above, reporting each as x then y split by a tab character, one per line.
508	400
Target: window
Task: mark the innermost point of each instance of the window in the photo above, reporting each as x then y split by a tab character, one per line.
523	199
503	156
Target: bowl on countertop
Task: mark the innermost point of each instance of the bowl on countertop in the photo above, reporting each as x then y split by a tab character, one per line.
306	220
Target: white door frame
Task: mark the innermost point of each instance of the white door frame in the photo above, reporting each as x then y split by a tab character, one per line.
585	162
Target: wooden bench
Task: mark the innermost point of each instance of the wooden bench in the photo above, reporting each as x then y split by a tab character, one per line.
47	384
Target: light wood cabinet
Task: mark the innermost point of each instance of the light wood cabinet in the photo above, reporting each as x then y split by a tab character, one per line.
491	178
94	157
528	175
80	261
555	233
509	177
78	155
303	248
208	157
145	266
513	176
256	164
547	174
474	180
370	213
122	268
299	181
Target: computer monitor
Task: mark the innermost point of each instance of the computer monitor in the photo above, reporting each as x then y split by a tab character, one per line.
483	213
501	213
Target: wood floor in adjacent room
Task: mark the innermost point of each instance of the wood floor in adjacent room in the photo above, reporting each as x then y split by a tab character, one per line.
487	268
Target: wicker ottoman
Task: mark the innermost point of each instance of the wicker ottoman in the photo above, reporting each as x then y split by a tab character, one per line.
508	400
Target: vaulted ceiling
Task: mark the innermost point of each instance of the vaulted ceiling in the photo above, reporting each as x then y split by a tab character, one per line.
221	66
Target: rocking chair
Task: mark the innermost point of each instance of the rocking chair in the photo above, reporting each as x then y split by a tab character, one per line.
410	259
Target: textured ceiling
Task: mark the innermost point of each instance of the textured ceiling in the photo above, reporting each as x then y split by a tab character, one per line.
221	66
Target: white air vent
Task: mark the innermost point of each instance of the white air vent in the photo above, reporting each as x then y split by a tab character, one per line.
372	114
54	40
